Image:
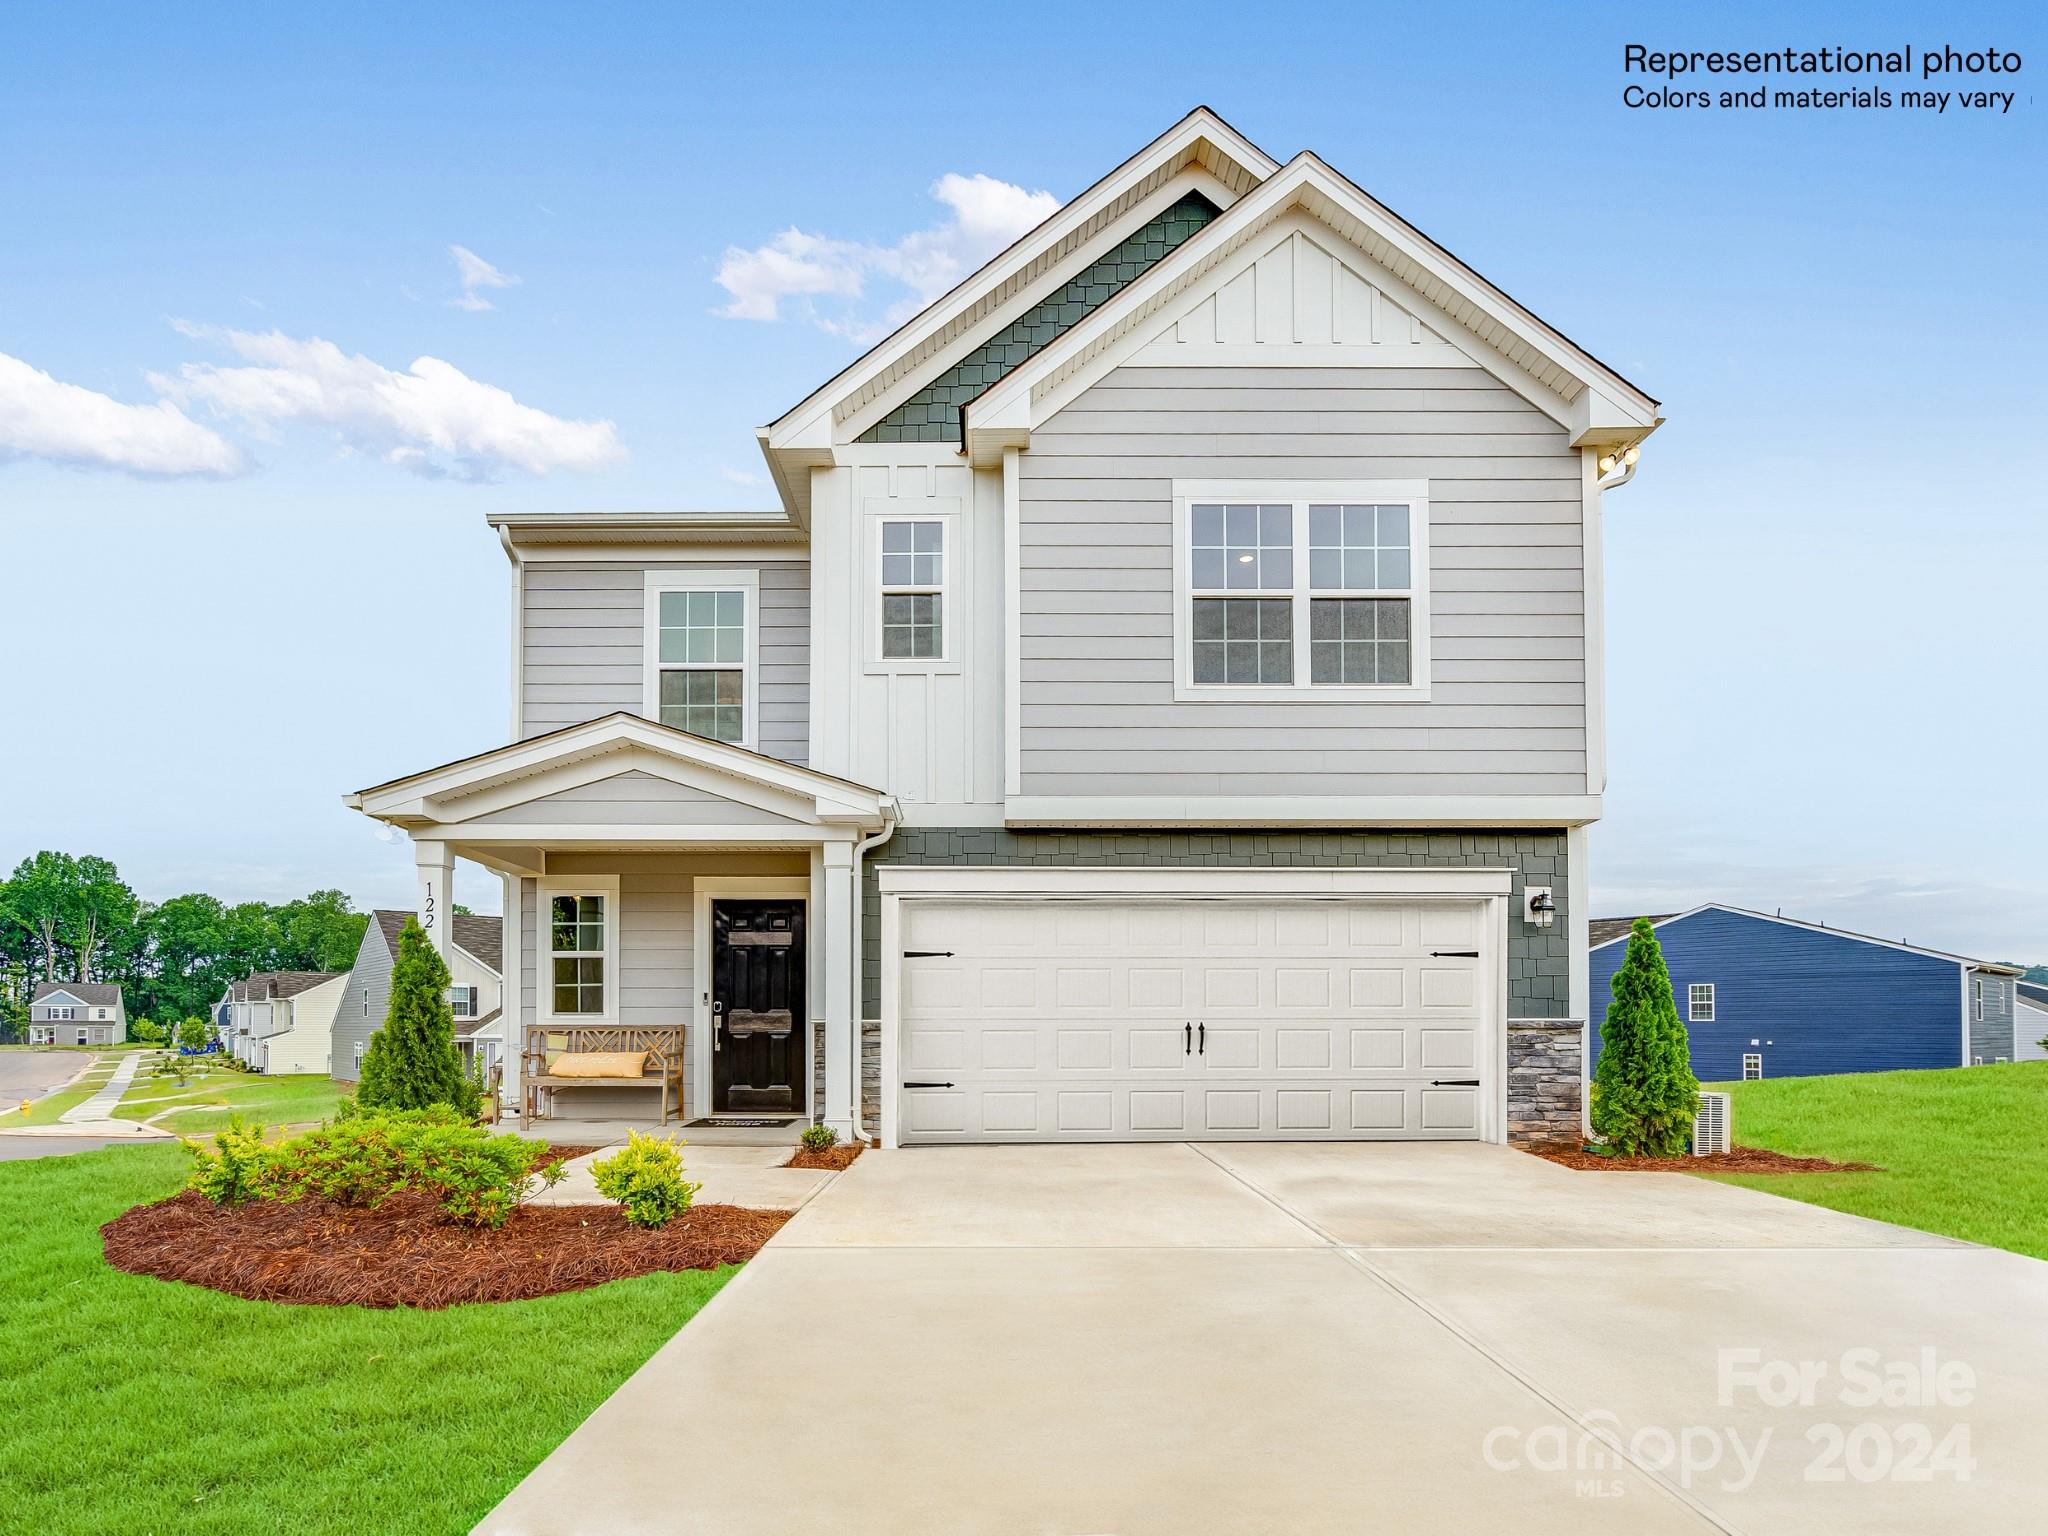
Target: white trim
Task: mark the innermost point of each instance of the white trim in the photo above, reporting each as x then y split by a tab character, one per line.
569	836
1013	624
606	886
900	511
1839	933
1488	888
1593	625
706	889
1699	994
747	582
518	580
1301	810
1298	495
596	551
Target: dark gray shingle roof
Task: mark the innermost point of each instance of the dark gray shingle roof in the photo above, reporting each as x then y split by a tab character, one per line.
95	992
1601	929
266	986
483	937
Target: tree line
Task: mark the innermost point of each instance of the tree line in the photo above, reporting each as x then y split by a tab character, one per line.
67	917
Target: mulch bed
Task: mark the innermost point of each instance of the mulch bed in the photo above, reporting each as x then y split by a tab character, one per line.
836	1158
1741	1160
405	1253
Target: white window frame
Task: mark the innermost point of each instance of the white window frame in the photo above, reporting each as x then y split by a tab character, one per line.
1977	997
467	1010
695	579
1299	493
943	591
64	1015
1752	1067
1699	995
544	966
359	1058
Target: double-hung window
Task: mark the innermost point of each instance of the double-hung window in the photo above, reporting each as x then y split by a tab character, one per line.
1699	1002
701	645
462	1002
579	953
1301	590
913	588
1752	1066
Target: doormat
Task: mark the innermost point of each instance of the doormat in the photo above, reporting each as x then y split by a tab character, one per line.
739	1120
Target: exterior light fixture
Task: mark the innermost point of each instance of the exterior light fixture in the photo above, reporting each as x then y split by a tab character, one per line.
1541	910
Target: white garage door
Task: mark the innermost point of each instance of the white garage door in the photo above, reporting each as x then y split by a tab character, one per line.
1186	1019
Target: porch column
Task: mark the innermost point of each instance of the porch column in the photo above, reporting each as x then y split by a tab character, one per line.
842	1057
436	865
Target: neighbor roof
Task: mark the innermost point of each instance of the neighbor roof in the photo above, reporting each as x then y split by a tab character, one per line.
1793	922
482	937
270	986
2033	992
95	992
1605	930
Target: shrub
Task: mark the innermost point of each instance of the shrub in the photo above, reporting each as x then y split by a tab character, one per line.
193	1034
149	1032
238	1167
1644	1093
646	1176
477	1178
411	1061
819	1138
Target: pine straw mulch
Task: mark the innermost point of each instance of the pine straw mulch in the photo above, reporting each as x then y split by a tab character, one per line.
1740	1160
405	1253
836	1159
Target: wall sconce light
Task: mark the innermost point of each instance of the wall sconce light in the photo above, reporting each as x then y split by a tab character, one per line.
1541	908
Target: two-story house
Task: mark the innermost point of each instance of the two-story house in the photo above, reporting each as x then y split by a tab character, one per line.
282	1022
77	1013
1165	703
475	990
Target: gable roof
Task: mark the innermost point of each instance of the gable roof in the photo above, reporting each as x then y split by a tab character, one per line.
271	986
1605	930
2033	993
482	937
1596	404
96	993
1991	966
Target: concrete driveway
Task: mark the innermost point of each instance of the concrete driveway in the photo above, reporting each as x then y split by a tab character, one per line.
1338	1338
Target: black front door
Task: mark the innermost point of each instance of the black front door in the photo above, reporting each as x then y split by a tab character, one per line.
757	1007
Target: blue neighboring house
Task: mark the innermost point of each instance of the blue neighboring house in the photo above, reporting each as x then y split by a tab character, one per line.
1766	996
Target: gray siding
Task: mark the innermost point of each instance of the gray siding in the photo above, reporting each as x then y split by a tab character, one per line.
581	645
1992	1036
354	1022
635	798
1507	707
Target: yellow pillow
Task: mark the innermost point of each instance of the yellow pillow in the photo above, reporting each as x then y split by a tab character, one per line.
600	1064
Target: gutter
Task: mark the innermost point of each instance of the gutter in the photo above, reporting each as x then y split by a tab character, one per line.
890	821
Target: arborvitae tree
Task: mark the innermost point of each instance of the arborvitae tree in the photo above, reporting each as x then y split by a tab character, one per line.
412	1062
1644	1093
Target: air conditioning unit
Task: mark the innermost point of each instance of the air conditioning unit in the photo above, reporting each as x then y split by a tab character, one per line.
1713	1128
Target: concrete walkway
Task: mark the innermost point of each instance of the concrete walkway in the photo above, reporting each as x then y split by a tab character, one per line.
100	1107
730	1175
1174	1339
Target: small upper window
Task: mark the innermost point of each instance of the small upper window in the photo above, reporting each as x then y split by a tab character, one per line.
1699	1002
913	588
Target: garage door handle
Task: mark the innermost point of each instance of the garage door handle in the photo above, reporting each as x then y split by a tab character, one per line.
1187	1044
927	954
1454	1082
927	1085
1202	1038
1454	954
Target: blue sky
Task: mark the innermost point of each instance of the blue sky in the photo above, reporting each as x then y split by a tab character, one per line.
273	583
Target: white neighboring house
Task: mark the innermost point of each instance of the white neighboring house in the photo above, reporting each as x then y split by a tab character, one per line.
475	991
2030	1022
77	1013
282	1022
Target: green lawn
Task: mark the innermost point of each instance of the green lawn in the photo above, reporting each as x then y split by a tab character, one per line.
1964	1152
214	1095
141	1405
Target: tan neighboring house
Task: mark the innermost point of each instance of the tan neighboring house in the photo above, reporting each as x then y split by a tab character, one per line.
77	1013
1165	701
282	1022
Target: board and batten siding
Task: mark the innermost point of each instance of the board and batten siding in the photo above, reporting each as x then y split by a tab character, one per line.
582	644
1507	706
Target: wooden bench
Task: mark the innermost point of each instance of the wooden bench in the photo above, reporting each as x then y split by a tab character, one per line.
663	1045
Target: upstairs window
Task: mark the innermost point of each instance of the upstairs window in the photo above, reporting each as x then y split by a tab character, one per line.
701	643
913	588
462	1002
1308	590
1977	996
1699	1002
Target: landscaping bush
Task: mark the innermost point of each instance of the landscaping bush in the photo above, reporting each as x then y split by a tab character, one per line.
819	1138
149	1032
477	1178
193	1034
1644	1093
412	1061
646	1176
236	1169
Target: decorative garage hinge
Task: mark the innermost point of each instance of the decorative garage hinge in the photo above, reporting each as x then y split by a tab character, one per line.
927	954
927	1085
1454	954
1454	1082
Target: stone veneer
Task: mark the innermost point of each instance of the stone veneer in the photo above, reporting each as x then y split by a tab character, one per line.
1546	1082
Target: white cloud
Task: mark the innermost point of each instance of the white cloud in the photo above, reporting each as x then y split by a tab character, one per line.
432	419
831	277
44	418
476	273
738	476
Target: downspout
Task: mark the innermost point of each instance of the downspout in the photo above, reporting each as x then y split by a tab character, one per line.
889	825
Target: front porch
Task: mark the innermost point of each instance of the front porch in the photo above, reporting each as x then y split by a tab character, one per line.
680	941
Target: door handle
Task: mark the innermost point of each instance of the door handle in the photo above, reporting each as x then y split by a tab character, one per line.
1202	1039
1187	1044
